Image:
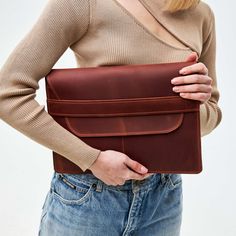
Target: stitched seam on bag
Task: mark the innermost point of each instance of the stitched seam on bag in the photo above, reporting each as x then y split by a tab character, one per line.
121	114
114	100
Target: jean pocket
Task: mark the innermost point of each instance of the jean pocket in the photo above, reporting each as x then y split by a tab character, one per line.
43	214
174	181
44	208
69	190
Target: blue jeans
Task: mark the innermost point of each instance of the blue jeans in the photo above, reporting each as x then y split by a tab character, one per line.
83	205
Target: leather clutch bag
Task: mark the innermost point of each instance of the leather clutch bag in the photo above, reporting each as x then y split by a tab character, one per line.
130	109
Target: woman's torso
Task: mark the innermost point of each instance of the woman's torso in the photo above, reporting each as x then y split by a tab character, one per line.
123	32
138	10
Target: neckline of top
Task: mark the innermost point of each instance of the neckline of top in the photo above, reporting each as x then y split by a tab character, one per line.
187	48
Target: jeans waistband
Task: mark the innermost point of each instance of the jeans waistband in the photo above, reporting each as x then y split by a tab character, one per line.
128	185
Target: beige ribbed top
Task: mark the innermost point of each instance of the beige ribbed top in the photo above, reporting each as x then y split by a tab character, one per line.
100	32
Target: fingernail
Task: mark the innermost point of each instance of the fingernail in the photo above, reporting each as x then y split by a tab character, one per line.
173	81
143	169
182	71
175	89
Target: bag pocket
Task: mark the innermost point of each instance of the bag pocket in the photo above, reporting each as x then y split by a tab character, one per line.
69	190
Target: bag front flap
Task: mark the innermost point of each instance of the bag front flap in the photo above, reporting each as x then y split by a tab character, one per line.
120	117
118	101
113	82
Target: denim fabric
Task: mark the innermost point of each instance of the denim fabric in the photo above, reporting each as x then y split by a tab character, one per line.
83	205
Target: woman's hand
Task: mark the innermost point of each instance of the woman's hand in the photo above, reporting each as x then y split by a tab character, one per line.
114	168
193	86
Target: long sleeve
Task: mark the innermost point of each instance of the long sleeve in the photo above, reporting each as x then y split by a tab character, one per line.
60	24
210	112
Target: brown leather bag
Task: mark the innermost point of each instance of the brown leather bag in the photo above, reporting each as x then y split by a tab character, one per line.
131	109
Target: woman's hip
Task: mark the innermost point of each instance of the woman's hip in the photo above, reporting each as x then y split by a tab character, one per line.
83	203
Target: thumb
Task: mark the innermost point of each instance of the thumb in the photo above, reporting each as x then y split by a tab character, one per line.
192	57
134	165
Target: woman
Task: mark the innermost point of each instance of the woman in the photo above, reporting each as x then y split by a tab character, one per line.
120	197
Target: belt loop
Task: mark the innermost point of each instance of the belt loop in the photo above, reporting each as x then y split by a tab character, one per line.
99	186
163	177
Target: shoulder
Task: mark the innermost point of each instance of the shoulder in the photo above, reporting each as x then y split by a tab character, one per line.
203	13
66	4
208	19
68	9
68	17
205	7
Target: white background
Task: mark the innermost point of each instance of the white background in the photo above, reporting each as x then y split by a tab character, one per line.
26	167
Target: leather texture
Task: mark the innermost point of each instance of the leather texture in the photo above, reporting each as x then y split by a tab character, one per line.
127	108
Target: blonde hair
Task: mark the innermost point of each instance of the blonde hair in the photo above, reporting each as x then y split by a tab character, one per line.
177	5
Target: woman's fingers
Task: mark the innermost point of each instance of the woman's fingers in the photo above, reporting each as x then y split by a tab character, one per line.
136	166
195	68
192	79
192	57
133	175
194	83
192	88
195	86
202	97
